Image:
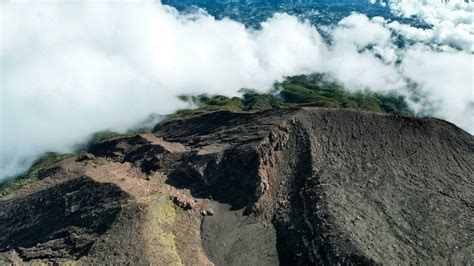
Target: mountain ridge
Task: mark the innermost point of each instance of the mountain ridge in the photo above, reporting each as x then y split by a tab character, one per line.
305	186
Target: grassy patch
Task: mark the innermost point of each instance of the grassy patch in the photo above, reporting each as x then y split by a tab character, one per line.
315	90
103	135
33	174
45	161
205	103
97	137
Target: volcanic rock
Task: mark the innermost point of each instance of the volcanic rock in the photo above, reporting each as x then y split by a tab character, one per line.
291	186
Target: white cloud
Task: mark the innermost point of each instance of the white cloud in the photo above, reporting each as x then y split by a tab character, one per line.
447	80
353	64
452	23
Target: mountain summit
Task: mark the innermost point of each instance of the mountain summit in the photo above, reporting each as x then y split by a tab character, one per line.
288	186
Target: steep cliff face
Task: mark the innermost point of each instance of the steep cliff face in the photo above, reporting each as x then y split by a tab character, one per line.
304	186
377	188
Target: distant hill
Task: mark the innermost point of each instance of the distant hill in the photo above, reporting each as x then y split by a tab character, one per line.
299	91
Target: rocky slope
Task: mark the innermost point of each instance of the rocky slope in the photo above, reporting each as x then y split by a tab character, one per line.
303	186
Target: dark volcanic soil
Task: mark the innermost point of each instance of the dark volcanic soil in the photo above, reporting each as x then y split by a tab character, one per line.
306	186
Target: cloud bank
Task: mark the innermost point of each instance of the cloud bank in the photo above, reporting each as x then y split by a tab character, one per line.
72	68
452	22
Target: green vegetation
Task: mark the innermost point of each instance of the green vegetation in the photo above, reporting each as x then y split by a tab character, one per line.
44	162
208	103
97	137
305	90
102	135
33	174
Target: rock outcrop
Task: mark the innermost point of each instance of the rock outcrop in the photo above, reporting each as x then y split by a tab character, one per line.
302	186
